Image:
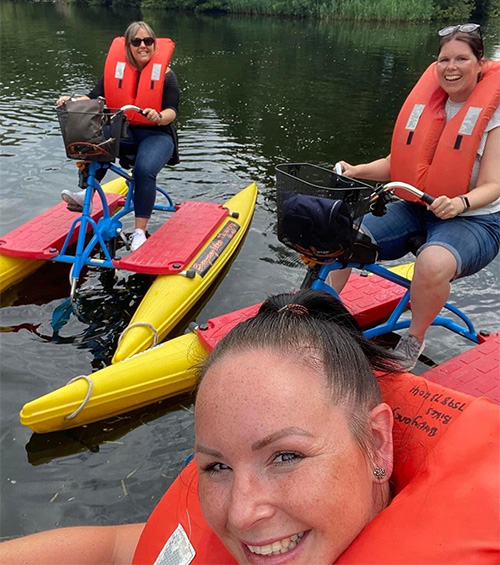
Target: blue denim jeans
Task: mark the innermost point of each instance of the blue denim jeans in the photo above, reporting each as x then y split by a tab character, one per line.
152	149
474	241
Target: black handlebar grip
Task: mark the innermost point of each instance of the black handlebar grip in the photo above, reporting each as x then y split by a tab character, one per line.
427	198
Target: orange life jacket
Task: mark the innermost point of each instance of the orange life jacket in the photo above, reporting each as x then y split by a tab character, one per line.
435	156
446	483
124	84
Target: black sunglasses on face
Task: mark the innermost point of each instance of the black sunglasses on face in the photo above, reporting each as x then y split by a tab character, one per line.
148	41
464	28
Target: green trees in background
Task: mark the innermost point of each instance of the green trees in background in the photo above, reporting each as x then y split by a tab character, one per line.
384	10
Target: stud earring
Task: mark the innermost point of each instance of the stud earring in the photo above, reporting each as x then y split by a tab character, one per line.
379	472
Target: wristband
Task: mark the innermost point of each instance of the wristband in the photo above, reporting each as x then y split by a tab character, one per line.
466	202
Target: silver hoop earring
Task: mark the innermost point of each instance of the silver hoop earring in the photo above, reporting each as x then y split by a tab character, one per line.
379	472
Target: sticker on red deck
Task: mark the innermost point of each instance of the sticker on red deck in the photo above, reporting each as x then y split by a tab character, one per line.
215	248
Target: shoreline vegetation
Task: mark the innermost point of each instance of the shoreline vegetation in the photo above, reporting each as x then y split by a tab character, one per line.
357	10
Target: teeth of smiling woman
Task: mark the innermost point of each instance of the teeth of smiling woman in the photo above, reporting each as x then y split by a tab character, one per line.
452	77
277	547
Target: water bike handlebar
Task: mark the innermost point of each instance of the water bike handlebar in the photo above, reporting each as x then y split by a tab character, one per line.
427	198
390	186
132	107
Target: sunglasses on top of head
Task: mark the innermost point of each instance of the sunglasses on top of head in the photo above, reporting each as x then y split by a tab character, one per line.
148	41
464	28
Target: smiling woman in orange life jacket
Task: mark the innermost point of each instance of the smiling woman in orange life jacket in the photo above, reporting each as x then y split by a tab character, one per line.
137	72
302	456
446	142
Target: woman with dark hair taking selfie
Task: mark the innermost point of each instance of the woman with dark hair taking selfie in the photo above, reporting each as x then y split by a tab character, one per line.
312	447
137	72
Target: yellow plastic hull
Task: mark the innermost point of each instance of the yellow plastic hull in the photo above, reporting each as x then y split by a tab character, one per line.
170	297
15	269
162	372
165	371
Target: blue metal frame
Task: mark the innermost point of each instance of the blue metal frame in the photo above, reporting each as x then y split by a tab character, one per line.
466	329
106	228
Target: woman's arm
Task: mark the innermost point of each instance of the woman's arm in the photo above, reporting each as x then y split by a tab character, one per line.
162	118
488	183
379	170
62	99
106	545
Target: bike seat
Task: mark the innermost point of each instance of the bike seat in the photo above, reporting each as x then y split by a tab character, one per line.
414	243
363	250
127	161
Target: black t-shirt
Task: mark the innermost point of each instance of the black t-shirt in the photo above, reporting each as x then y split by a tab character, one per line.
170	99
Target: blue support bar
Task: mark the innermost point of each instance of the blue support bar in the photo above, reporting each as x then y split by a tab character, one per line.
394	322
108	225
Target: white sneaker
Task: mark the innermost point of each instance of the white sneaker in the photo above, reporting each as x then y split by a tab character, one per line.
74	200
137	239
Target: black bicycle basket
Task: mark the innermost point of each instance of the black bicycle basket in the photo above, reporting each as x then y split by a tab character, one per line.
319	211
91	132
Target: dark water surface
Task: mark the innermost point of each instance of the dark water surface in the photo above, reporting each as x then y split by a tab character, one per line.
255	92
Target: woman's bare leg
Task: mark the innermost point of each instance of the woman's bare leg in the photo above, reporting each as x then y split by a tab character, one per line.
338	279
435	267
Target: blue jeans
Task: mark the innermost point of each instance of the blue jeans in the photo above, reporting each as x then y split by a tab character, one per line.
152	149
474	241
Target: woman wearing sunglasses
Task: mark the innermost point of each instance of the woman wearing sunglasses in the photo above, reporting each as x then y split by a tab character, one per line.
137	72
303	456
446	142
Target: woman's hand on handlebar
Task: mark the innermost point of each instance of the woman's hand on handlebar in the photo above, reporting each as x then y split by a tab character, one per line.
445	208
347	169
64	98
152	115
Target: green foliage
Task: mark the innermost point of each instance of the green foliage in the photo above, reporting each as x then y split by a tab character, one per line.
368	10
187	5
382	10
486	8
457	10
212	6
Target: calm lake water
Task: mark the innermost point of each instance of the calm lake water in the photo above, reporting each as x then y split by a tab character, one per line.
255	92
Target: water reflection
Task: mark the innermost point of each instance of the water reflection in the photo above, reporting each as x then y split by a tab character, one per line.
44	448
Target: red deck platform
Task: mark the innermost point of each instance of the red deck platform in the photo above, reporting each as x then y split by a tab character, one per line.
369	298
475	371
43	236
177	241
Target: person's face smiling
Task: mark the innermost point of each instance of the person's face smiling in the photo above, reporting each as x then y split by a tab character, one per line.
282	479
143	53
457	70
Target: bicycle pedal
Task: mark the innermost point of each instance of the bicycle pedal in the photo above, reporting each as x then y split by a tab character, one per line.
124	238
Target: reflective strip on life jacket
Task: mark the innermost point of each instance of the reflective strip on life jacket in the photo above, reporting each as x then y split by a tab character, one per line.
124	84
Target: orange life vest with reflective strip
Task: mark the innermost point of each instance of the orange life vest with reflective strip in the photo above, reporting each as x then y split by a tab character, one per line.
124	84
434	155
446	482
